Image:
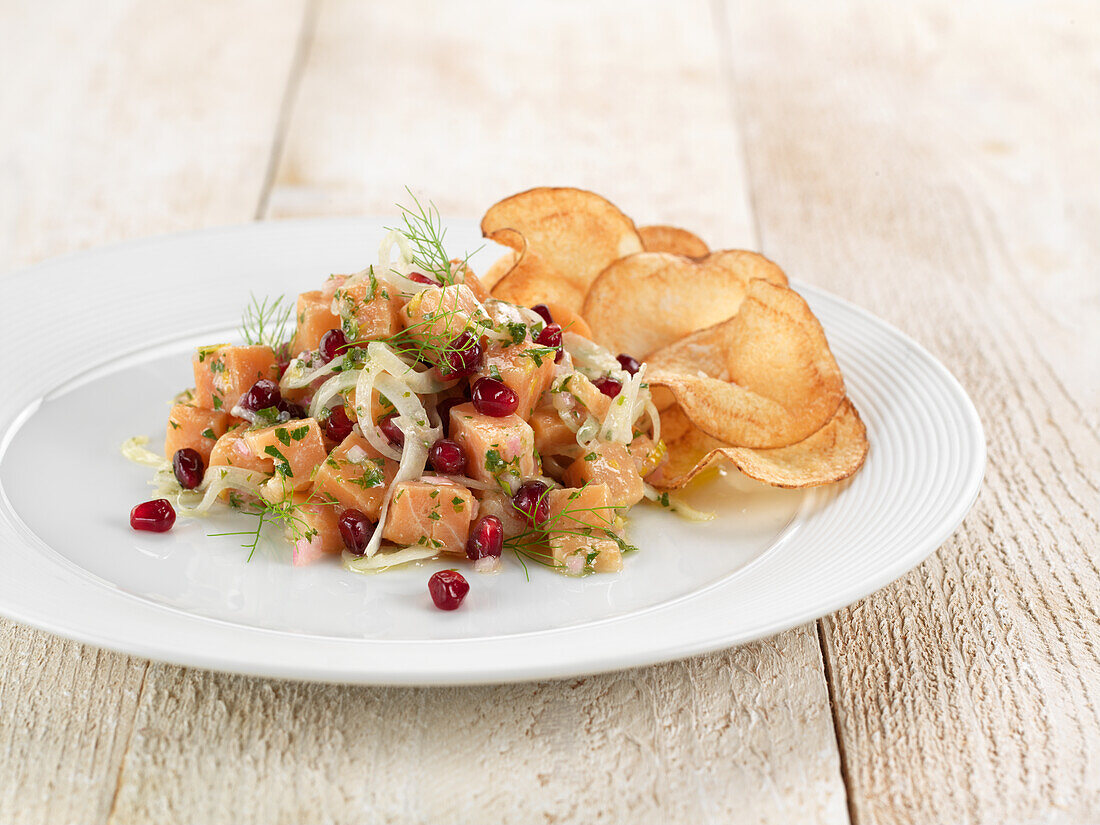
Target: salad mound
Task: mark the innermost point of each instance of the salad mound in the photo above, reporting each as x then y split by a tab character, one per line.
403	413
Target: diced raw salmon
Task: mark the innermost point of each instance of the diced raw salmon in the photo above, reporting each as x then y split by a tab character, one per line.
612	465
224	373
437	315
586	394
315	317
333	283
431	512
231	450
194	427
315	530
355	475
466	276
647	455
580	523
296	448
552	436
368	310
496	448
527	368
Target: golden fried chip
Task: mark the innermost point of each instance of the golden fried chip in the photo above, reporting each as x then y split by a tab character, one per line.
833	453
764	378
565	237
646	301
673	240
501	267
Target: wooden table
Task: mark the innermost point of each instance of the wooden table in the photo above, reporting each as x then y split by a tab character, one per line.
937	165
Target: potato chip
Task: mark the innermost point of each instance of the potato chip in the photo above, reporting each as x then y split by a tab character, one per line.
764	378
831	454
646	301
673	240
564	237
501	267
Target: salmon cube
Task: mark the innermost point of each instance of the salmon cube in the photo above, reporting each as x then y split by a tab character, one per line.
231	450
315	530
496	448
195	428
333	283
296	448
437	315
466	276
647	455
355	475
527	368
552	436
586	394
498	504
582	525
224	373
430	512
368	310
610	464
315	318
569	320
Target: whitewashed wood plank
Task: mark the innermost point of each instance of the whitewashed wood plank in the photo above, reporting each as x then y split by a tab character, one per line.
466	103
116	120
937	165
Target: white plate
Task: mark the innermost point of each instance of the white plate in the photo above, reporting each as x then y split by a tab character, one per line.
96	344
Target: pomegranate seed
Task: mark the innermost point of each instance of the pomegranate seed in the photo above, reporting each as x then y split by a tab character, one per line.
447	457
293	410
188	468
550	336
421	279
331	342
544	311
608	386
156	516
443	410
356	530
448	589
391	430
261	395
462	358
530	499
338	425
486	539
629	363
494	398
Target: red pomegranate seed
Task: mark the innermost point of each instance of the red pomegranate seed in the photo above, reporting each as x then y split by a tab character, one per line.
447	457
338	425
156	516
629	363
550	336
544	311
356	530
188	467
494	398
448	589
390	429
422	279
443	410
331	344
608	386
293	410
463	357
261	395
486	539
531	500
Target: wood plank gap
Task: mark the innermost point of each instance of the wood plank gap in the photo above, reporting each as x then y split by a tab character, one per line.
286	107
723	32
834	710
129	742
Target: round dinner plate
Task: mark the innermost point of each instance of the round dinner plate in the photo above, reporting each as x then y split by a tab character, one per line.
96	344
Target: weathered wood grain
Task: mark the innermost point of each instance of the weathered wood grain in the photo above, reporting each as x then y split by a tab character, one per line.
116	120
459	103
938	165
